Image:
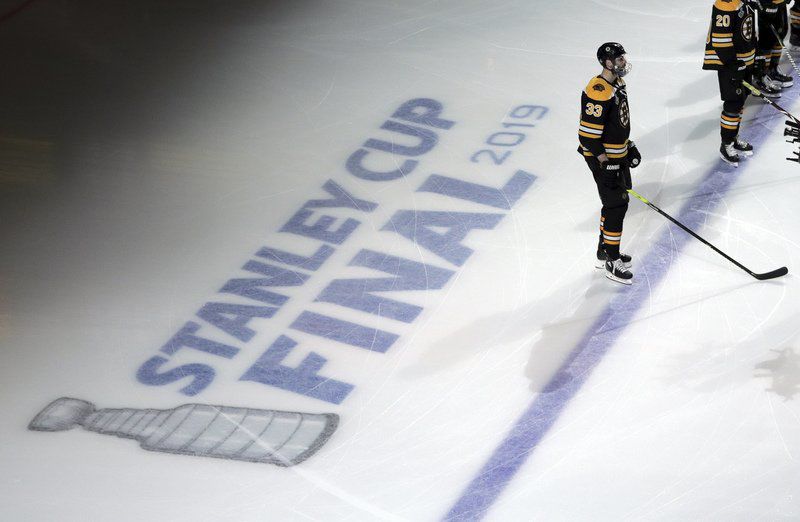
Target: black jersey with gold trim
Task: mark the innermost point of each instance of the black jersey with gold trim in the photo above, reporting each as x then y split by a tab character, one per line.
731	41
605	121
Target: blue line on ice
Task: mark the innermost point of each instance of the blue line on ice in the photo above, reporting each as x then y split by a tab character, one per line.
545	409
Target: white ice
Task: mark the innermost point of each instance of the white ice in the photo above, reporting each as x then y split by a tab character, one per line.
149	149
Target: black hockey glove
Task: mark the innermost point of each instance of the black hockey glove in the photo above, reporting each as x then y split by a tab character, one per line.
610	167
737	77
611	171
634	158
615	176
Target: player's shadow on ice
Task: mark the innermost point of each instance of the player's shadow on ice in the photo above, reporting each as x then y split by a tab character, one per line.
561	340
513	329
768	356
698	129
551	328
705	85
784	371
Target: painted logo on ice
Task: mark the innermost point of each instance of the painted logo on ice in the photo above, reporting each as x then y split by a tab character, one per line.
316	286
268	436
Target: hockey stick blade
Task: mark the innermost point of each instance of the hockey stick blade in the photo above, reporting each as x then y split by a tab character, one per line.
780	272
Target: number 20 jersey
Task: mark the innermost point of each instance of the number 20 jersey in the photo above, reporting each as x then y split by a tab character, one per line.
731	40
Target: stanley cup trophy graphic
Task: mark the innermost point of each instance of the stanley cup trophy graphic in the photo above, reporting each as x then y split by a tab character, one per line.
274	437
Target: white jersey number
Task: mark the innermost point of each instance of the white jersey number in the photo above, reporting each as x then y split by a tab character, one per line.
595	110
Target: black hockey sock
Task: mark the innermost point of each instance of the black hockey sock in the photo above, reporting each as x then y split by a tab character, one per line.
611	241
729	125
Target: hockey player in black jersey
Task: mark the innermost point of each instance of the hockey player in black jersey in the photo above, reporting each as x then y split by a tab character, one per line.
730	50
603	134
772	18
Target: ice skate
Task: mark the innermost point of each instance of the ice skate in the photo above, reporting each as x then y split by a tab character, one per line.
728	153
778	77
742	147
616	271
601	259
768	87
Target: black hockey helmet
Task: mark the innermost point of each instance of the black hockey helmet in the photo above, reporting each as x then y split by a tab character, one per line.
612	51
609	51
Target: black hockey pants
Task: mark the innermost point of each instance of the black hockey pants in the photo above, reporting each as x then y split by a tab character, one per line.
612	189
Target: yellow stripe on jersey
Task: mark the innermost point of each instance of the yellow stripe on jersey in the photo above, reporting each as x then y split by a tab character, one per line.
722	39
747	58
616	150
712	58
587	135
599	90
592	125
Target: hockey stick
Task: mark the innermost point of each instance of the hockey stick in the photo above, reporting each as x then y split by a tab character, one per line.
788	54
758	93
782	271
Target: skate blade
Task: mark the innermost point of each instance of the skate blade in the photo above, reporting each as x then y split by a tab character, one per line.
729	162
616	279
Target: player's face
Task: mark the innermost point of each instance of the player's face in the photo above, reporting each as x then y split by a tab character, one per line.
621	66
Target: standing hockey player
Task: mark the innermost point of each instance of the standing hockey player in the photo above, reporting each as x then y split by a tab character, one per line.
730	50
772	18
603	134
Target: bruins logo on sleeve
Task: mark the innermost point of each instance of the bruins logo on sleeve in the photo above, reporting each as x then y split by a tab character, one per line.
747	28
599	87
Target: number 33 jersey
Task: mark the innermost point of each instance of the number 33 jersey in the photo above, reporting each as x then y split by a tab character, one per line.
605	122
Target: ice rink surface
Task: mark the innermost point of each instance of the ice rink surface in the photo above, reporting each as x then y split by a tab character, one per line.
356	238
